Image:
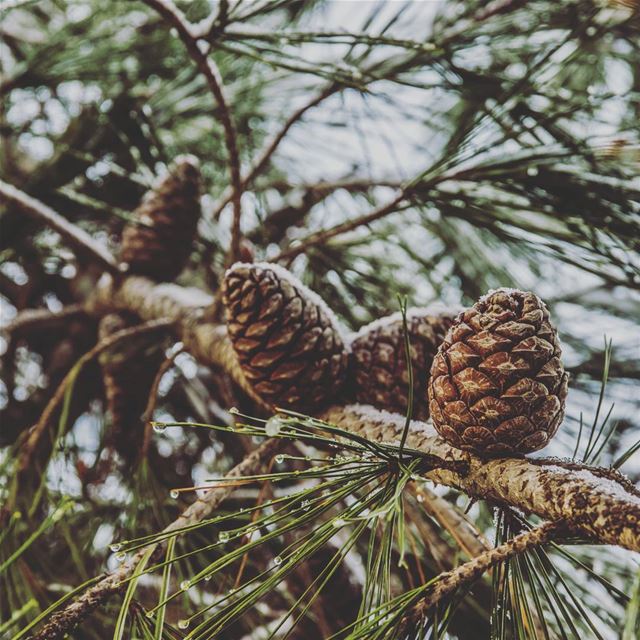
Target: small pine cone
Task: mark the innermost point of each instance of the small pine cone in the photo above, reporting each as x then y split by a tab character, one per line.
128	371
381	377
159	243
287	341
497	384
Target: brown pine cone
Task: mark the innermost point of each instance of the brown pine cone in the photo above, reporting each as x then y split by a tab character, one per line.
288	342
497	383
128	371
158	244
381	377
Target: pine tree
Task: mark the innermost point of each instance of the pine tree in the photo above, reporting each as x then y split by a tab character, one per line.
228	405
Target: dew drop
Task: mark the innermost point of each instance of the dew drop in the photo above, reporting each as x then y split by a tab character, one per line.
184	585
306	505
159	427
277	560
234	411
174	493
533	171
279	458
183	624
272	426
208	577
420	498
120	557
115	547
223	536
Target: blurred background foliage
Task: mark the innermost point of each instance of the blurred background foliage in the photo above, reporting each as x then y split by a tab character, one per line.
509	127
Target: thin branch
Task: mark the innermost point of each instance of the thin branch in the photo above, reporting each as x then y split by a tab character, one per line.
273	144
76	237
322	236
64	621
467	537
31	443
209	69
152	401
446	583
39	319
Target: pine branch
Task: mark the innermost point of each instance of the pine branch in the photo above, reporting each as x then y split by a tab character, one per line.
210	71
30	320
77	238
271	147
74	613
598	504
446	583
30	445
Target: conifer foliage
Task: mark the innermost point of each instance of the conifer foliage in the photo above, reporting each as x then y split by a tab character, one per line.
302	313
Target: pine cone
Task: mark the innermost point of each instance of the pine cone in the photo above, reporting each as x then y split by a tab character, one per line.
497	383
379	360
160	242
128	371
288	342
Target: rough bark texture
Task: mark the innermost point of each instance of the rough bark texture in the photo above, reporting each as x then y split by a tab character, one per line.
467	573
65	620
497	383
600	505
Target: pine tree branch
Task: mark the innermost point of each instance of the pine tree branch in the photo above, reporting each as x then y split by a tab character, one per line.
323	236
30	445
210	71
64	621
30	320
76	237
270	148
596	503
446	583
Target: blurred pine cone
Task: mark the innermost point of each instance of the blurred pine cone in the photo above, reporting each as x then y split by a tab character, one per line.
497	383
159	243
128	371
288	342
381	377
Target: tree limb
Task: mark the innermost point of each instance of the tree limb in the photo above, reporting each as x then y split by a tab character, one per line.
31	443
597	503
446	583
210	71
76	237
64	621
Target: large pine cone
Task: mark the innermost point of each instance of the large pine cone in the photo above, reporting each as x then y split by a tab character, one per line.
381	377
288	343
128	371
497	383
159	242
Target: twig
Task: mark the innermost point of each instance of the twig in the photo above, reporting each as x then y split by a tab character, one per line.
273	144
64	621
147	416
31	443
209	69
446	583
322	236
77	238
38	319
467	537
